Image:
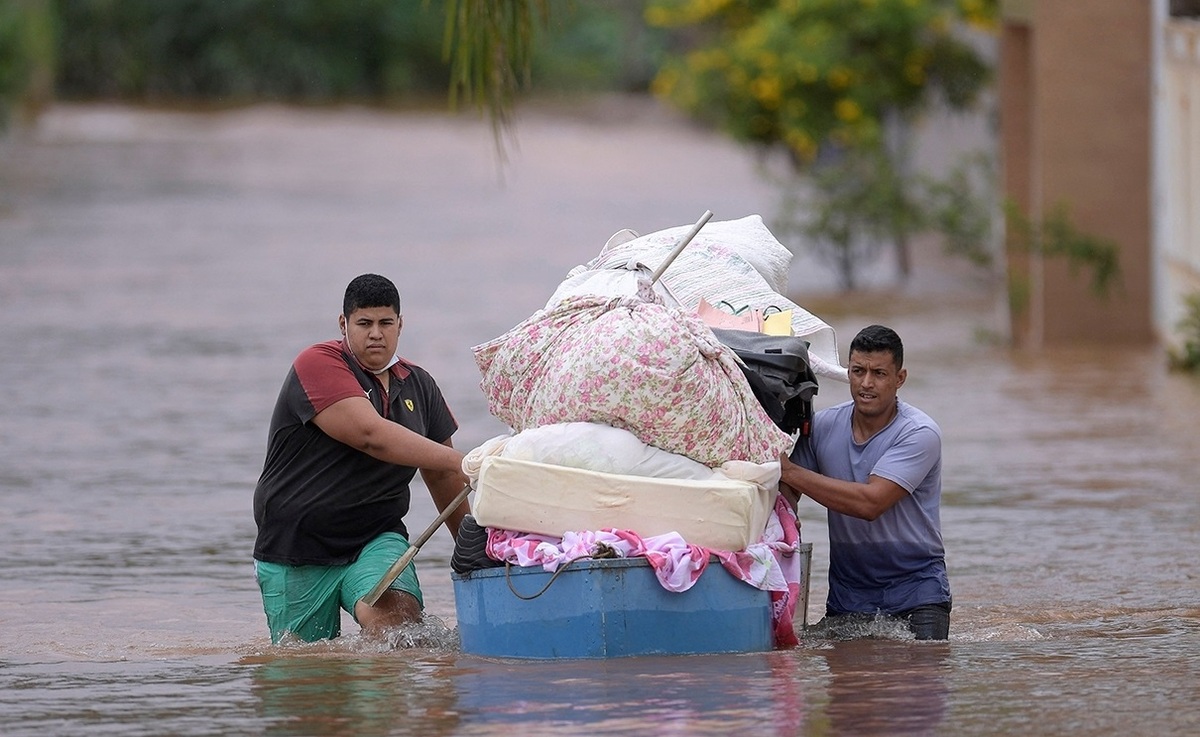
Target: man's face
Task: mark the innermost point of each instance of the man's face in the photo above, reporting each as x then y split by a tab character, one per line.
373	333
874	382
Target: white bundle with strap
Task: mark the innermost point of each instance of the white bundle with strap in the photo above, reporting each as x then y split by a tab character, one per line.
736	261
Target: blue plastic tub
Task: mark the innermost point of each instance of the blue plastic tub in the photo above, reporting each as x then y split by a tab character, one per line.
607	608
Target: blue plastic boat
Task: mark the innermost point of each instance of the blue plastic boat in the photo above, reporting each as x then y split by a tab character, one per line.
606	608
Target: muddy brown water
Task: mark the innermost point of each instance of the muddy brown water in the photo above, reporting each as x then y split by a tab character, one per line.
159	270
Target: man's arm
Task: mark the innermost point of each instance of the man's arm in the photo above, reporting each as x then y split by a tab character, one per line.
865	501
443	487
355	422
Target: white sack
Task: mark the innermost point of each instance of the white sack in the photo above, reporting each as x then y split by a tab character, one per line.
738	261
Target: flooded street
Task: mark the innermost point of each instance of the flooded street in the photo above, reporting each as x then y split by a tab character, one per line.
159	271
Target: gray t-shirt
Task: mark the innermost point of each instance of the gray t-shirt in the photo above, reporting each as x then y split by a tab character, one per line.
897	561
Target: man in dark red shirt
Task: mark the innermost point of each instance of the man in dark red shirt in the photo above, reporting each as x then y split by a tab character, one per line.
353	424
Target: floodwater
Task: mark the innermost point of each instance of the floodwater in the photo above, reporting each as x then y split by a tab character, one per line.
158	272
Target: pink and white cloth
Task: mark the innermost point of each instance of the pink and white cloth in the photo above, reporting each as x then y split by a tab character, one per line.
632	363
772	564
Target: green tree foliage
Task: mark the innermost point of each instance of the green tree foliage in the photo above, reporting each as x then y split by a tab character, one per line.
483	53
960	207
806	73
1187	356
1056	236
316	51
588	47
13	61
597	46
26	56
240	50
849	207
491	47
835	84
848	212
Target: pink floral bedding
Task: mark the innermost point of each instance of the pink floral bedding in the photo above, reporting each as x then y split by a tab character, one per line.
635	364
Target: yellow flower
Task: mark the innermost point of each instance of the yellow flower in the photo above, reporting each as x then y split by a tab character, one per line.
753	37
801	144
840	77
664	83
767	90
696	60
977	15
847	110
915	65
656	16
685	14
914	73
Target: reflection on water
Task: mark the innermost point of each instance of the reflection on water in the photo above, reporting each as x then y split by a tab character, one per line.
193	696
907	682
159	271
353	695
675	695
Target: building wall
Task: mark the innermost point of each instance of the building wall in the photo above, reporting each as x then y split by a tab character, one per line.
1177	231
1076	132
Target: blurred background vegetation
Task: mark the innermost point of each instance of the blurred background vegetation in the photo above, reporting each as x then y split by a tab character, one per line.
796	72
835	86
234	52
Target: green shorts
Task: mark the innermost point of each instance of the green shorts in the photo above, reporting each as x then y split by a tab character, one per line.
307	600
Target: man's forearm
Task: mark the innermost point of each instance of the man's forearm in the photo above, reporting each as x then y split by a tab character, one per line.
864	501
353	421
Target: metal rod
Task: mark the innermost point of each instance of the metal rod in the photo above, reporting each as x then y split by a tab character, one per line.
686	239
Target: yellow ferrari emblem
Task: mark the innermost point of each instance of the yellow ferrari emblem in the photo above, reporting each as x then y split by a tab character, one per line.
408	403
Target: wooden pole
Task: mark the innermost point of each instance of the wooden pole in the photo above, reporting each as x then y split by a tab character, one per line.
402	563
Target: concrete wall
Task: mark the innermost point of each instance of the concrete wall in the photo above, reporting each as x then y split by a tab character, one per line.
1177	135
1075	117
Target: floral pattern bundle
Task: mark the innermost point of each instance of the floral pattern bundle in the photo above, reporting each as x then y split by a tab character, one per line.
639	365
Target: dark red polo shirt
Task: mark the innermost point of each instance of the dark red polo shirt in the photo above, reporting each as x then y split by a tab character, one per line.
319	501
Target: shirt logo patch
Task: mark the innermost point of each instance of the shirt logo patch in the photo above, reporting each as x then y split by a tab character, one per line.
409	403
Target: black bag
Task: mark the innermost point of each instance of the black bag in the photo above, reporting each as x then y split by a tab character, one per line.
777	368
470	548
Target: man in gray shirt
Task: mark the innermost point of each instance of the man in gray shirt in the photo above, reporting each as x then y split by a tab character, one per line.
874	463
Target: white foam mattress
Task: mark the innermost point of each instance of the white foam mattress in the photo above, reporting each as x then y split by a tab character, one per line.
526	496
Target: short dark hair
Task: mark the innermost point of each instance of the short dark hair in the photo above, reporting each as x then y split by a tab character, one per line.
370	290
877	339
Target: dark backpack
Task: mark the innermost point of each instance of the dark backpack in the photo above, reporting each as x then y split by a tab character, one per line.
777	368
